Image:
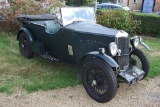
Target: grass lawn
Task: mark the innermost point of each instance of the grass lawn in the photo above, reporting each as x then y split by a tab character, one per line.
33	74
18	72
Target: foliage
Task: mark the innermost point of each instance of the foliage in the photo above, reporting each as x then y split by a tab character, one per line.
118	19
150	24
55	7
74	2
88	2
81	2
20	7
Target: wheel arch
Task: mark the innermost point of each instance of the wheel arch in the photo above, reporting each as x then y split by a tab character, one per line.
27	32
143	58
91	55
99	80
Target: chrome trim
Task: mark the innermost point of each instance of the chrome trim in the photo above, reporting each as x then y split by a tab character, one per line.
122	55
121	34
145	45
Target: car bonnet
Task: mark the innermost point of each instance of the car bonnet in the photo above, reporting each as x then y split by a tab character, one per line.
89	27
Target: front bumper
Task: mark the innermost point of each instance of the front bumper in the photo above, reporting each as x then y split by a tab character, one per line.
132	75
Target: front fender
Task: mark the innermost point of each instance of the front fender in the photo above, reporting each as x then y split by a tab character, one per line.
27	32
109	60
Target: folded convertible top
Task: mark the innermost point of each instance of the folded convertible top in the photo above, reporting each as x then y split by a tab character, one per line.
21	18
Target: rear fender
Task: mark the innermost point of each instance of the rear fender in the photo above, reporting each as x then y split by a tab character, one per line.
27	32
36	46
109	60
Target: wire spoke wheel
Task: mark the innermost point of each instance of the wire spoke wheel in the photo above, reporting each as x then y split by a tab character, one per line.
139	59
25	47
99	80
137	62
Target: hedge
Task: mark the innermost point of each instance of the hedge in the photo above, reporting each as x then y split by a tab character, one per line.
150	24
132	22
118	19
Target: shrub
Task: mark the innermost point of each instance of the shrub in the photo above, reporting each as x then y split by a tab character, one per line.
88	2
55	7
118	19
20	7
150	23
74	2
80	2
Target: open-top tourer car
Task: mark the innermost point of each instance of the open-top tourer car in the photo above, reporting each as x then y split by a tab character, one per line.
103	55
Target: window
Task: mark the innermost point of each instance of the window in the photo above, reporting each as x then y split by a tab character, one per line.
135	1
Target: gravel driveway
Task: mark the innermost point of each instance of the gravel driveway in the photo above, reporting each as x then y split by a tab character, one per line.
143	94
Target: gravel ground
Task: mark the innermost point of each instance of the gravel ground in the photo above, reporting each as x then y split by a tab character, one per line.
143	94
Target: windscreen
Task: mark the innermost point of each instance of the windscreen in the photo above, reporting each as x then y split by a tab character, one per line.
73	14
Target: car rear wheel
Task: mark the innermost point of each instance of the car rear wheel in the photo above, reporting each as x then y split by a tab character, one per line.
99	80
139	59
25	46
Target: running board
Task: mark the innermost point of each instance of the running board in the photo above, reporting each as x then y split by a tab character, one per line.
49	57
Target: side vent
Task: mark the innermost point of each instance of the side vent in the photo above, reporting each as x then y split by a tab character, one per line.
90	45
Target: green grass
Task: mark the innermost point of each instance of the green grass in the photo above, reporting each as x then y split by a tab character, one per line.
18	72
154	55
33	74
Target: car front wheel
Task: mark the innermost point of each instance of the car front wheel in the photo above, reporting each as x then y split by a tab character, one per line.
139	59
99	80
25	46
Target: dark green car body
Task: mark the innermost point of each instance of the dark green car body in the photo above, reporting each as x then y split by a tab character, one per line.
80	40
102	54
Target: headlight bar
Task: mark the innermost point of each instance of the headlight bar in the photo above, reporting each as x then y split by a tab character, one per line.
138	40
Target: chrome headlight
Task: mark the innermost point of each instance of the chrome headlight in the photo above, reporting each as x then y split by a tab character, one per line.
113	48
135	41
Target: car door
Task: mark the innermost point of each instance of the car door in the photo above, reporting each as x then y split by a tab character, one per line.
51	33
52	37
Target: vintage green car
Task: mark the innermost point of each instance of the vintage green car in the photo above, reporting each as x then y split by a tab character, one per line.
102	55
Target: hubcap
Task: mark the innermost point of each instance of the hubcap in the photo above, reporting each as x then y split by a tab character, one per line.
97	82
24	44
94	83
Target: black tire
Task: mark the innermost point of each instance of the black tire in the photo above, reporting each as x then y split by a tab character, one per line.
103	84
138	58
25	46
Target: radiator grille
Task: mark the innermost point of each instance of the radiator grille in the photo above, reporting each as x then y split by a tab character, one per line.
123	45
